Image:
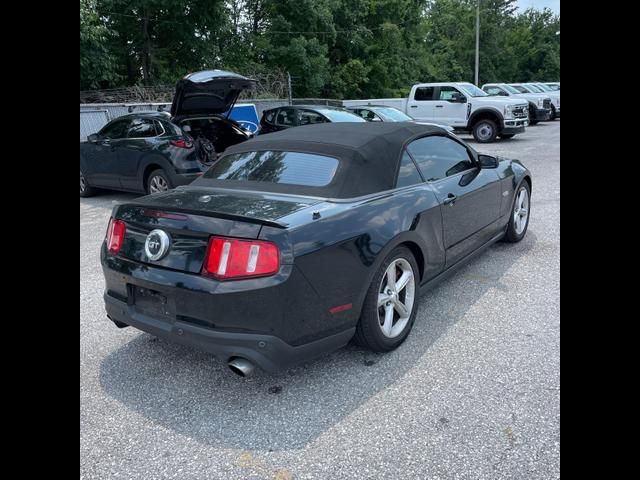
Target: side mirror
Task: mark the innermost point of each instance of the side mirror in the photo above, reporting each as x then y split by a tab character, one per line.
487	161
92	138
186	128
503	94
457	97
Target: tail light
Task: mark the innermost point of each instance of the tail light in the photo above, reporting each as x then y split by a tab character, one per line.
115	236
181	143
234	259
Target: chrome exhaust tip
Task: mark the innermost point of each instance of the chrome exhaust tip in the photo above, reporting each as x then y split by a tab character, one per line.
241	366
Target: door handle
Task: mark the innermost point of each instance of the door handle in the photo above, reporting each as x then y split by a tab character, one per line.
450	200
414	106
439	106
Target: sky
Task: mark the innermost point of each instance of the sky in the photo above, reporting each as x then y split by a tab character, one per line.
554	5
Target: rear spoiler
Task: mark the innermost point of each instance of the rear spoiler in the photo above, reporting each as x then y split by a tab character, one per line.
204	213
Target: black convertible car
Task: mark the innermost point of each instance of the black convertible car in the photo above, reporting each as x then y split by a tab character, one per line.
296	242
149	152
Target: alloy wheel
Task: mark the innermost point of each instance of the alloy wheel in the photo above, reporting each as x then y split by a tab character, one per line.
521	210
396	297
158	184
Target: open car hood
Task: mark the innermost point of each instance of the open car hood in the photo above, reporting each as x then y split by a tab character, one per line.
208	92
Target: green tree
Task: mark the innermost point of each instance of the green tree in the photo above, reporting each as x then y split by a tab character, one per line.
98	64
336	48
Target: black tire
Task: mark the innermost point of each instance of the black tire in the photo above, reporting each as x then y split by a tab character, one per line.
507	136
86	190
485	131
513	235
369	330
161	176
532	116
553	113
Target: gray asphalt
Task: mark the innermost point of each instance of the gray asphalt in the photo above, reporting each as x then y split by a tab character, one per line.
474	392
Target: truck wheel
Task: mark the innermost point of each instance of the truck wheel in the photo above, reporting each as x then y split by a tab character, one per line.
553	113
485	131
532	116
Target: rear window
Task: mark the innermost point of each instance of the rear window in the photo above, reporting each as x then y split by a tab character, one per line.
292	168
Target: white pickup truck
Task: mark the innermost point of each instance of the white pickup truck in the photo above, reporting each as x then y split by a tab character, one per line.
539	103
533	88
462	106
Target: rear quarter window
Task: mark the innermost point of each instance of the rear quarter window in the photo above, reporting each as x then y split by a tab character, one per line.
292	168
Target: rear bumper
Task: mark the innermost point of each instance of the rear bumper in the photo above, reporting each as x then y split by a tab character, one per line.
273	321
266	351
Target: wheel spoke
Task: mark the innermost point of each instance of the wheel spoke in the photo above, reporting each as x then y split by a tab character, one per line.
391	277
402	310
388	320
403	280
383	299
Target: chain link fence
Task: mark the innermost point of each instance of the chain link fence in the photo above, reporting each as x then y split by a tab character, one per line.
268	85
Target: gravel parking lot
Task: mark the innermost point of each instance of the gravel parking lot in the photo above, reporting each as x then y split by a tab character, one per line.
474	392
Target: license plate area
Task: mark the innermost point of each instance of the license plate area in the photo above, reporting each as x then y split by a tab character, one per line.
151	302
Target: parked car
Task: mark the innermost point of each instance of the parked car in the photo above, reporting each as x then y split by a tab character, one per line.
539	104
531	88
281	118
296	242
148	152
462	106
382	113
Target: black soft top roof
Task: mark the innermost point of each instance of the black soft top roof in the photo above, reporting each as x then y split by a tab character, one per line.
368	154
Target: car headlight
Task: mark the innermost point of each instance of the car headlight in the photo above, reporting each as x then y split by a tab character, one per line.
508	111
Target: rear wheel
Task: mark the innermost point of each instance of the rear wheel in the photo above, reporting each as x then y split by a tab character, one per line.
86	190
519	220
389	308
158	181
485	131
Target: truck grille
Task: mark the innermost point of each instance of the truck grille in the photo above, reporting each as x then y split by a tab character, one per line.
546	103
521	111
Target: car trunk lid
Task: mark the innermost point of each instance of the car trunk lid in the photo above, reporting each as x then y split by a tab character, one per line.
190	215
208	92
